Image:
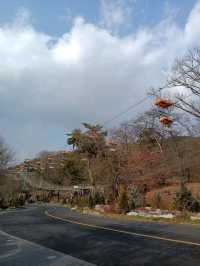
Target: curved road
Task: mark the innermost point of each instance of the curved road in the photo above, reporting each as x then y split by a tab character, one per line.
56	236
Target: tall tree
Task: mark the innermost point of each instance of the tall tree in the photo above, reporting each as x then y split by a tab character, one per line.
5	157
75	138
91	141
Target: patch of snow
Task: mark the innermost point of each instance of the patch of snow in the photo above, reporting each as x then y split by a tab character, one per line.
195	217
132	213
148	213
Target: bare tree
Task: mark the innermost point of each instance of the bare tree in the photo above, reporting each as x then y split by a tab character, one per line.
6	156
124	134
186	74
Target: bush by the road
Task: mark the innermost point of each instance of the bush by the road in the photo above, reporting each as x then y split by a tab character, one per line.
157	200
123	200
184	200
88	200
134	198
14	201
4	204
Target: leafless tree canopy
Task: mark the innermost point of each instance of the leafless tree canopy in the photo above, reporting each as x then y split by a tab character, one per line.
5	155
186	74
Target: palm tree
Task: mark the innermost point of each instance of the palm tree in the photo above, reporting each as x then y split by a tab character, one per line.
91	141
75	139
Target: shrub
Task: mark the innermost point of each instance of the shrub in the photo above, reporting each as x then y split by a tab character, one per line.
17	201
91	201
99	198
123	201
134	198
184	200
82	201
157	199
109	198
74	199
4	203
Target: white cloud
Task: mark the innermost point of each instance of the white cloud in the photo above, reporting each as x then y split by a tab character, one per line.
192	28
116	13
88	74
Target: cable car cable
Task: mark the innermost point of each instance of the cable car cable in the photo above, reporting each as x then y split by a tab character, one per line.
134	106
125	111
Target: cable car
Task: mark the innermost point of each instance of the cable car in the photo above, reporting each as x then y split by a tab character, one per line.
163	103
165	120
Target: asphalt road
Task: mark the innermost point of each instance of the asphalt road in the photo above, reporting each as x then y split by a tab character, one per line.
44	235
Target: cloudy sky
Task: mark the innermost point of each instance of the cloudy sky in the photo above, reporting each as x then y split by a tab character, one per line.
70	61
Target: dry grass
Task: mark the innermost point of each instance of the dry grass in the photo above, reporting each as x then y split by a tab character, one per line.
168	192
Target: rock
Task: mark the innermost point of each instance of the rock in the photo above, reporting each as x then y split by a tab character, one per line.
99	207
104	208
148	208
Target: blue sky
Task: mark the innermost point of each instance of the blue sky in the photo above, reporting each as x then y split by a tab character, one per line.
52	16
66	62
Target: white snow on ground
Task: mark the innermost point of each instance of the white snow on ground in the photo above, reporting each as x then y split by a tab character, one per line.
152	214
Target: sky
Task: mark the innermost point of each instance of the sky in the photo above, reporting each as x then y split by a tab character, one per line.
71	61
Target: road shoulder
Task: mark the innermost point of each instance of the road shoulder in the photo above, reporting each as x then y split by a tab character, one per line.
17	251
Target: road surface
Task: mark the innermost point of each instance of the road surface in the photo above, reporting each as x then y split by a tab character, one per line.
56	236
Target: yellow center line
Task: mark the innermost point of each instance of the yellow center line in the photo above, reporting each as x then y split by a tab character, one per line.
122	231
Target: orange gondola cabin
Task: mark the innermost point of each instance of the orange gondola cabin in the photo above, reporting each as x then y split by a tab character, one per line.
165	120
163	103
